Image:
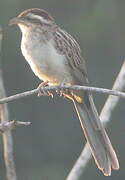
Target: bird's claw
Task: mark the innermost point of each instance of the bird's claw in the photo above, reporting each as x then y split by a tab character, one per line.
62	92
43	92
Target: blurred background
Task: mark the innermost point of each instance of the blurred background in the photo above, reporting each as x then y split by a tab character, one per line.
50	146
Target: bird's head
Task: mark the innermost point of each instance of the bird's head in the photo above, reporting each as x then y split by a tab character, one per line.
32	18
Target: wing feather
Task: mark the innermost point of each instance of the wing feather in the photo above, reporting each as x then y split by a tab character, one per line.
65	44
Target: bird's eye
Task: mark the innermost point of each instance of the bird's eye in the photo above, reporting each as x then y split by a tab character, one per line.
34	20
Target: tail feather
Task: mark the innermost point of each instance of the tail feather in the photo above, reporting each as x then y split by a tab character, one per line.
101	147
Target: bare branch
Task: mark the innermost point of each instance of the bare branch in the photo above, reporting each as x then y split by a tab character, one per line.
7	137
105	117
11	125
53	88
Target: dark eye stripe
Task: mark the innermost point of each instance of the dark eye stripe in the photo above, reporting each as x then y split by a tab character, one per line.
33	20
36	21
44	14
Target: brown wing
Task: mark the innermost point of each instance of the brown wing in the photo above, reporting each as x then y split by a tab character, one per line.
67	45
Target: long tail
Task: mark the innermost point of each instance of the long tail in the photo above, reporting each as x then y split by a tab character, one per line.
101	147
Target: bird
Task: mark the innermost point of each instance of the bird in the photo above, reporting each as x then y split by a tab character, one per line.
55	58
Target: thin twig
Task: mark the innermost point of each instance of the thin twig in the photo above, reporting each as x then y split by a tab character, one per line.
7	137
52	88
11	125
105	117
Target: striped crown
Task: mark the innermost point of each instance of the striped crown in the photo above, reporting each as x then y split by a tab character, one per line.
36	15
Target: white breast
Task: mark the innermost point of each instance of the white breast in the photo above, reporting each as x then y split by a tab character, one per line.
44	60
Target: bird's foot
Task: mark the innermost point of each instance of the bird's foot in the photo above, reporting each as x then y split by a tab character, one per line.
63	92
43	92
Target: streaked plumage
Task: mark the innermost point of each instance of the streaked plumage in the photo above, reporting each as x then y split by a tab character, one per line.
55	56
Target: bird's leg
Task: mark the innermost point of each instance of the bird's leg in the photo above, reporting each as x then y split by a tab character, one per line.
63	92
60	92
43	92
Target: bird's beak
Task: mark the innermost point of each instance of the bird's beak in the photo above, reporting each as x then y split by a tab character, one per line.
15	20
